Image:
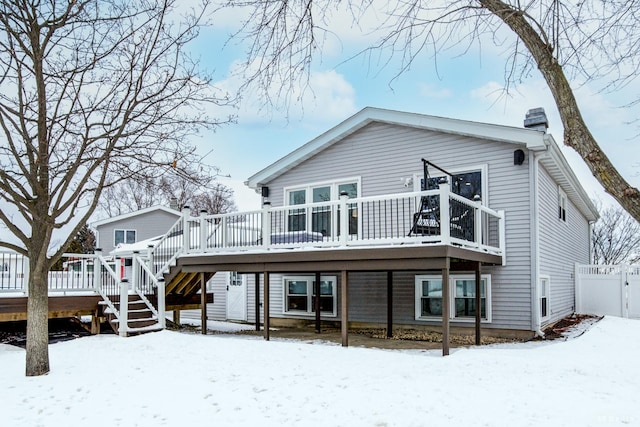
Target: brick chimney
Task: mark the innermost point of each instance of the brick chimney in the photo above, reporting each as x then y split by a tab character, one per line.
536	119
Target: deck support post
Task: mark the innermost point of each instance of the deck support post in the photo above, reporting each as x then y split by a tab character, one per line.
203	303
257	300
478	303
389	304
176	317
446	307
95	321
266	306
344	293
162	309
317	301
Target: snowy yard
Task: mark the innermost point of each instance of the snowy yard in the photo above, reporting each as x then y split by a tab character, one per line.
181	379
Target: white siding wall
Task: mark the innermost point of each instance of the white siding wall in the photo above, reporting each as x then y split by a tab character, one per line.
381	154
562	244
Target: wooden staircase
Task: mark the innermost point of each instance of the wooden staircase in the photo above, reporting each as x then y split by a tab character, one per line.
140	317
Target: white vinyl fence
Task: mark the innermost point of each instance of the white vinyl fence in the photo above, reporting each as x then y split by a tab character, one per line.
608	290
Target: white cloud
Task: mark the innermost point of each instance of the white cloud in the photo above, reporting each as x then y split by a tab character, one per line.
429	90
326	98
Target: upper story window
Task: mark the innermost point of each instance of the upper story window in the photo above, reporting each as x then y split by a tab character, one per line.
124	236
562	205
468	183
322	219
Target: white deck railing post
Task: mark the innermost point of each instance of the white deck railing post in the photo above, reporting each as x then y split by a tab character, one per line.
478	222
203	231
25	274
150	258
186	231
134	271
266	225
344	216
123	317
501	237
161	304
97	269
445	217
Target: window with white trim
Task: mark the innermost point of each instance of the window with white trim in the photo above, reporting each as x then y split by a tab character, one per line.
545	288
322	219
300	297
462	292
123	236
562	205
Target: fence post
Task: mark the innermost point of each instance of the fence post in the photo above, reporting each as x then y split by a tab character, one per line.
578	296
266	225
344	218
186	233
97	269
123	318
624	290
445	219
161	303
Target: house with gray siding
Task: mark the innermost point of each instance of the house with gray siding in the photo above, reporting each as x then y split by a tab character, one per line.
134	226
520	173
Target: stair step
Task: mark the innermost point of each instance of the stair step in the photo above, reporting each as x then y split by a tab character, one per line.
145	319
150	328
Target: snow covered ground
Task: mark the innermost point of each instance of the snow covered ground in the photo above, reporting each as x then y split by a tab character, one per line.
183	379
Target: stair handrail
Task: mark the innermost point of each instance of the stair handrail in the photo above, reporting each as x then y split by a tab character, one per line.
141	262
99	284
176	234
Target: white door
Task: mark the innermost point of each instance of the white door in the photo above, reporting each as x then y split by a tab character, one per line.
236	297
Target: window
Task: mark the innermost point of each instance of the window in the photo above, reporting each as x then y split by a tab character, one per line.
124	236
544	297
562	205
462	297
430	297
321	218
300	295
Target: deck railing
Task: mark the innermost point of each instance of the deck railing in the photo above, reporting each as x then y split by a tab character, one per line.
405	218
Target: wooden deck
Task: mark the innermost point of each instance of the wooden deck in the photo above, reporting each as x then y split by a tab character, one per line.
14	308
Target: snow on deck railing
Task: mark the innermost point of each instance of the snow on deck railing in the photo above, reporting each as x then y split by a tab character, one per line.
403	218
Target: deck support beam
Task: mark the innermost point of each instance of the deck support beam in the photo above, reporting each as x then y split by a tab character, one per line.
389	304
344	293
257	299
266	305
446	307
316	305
203	303
478	273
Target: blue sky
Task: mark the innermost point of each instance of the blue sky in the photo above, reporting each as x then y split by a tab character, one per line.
465	87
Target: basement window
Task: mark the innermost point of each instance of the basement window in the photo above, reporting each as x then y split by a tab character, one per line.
299	295
462	294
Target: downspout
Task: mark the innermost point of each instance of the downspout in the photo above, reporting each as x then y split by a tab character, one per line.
535	243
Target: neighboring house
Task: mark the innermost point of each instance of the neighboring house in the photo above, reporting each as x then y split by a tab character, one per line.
518	171
134	226
131	228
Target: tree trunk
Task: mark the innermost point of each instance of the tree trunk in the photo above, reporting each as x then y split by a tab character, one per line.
576	132
38	318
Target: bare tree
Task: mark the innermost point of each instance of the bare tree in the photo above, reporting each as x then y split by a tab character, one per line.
91	93
217	199
593	40
615	237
